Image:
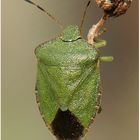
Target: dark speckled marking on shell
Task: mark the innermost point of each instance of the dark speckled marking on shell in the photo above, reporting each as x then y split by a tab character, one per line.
66	126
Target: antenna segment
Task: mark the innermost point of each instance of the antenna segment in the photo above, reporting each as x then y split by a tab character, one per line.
52	17
83	17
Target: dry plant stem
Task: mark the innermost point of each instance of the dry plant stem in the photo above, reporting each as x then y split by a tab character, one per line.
94	30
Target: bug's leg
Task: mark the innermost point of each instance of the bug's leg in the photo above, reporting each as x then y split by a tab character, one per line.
106	58
36	92
99	44
100	110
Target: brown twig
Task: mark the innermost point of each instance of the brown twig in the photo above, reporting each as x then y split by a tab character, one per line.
95	30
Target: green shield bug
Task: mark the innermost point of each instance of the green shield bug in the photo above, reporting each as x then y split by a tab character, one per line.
68	79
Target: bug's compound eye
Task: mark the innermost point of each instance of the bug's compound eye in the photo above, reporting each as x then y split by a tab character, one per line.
71	33
114	7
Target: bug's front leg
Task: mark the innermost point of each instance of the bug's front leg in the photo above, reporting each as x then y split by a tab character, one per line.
106	58
99	43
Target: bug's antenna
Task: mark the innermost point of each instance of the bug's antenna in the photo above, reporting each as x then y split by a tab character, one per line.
83	17
52	17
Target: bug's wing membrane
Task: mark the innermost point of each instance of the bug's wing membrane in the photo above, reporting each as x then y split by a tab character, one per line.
85	98
46	94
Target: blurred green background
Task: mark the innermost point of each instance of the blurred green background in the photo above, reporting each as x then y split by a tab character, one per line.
24	27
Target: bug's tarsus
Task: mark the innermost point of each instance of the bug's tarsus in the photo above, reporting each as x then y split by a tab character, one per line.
42	9
99	110
106	58
83	17
99	43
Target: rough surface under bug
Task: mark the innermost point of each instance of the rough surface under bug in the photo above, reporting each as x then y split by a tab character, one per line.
66	126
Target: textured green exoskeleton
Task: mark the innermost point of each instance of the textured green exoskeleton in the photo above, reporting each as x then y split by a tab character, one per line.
68	83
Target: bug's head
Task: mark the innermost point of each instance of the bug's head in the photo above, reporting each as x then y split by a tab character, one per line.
71	33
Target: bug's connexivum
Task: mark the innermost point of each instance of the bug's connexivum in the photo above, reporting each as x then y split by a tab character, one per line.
111	8
68	87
